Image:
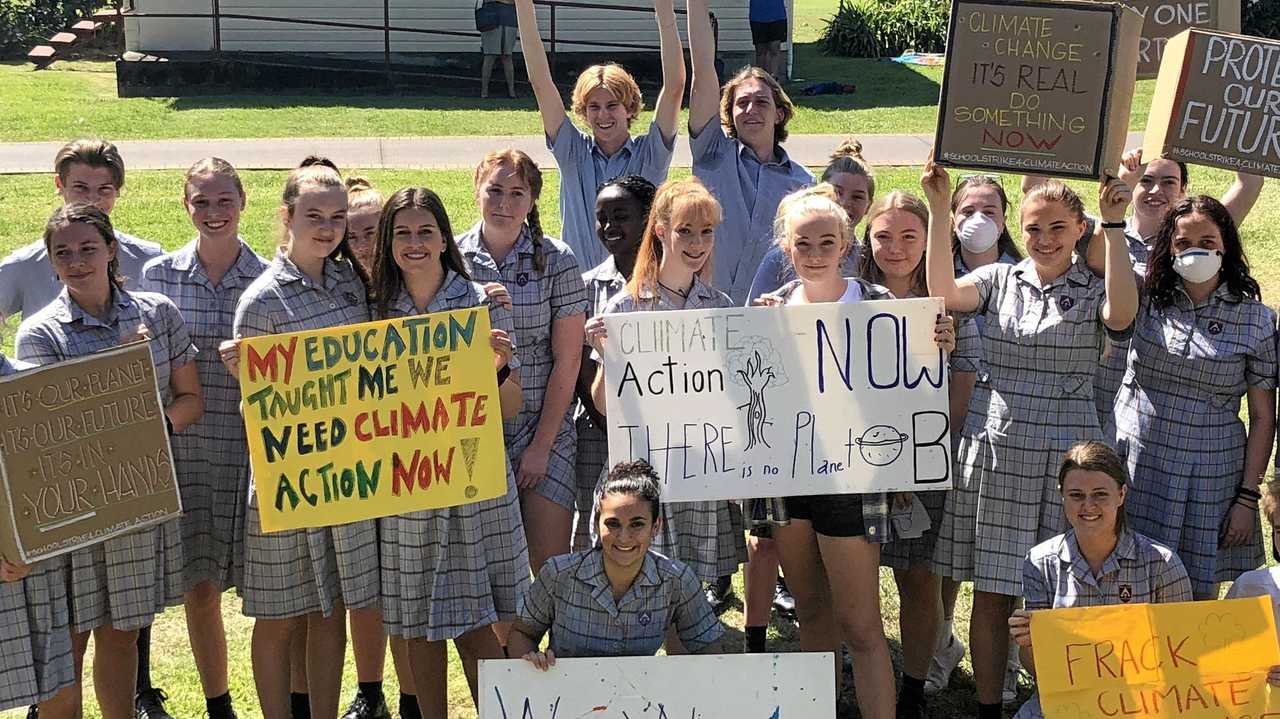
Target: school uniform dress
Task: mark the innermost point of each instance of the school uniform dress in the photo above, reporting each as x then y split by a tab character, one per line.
35	635
583	168
572	598
128	579
210	456
1040	348
28	282
1115	355
1055	575
448	571
749	190
603	282
707	536
538	299
299	571
1177	425
843	515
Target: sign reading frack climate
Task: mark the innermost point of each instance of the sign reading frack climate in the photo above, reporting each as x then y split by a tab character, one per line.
778	401
84	452
1162	19
1037	87
1217	102
372	420
1189	660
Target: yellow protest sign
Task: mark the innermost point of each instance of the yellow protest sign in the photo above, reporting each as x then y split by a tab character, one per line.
1192	660
372	420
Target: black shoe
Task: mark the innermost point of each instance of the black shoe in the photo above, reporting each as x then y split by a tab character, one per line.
231	714
149	704
362	708
783	603
719	592
33	712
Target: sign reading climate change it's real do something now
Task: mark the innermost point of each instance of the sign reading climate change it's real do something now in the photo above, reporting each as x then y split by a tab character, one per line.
372	420
776	401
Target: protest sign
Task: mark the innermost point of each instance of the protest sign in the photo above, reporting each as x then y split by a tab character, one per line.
778	401
1037	87
372	420
1217	103
1162	19
713	686
1192	660
84	453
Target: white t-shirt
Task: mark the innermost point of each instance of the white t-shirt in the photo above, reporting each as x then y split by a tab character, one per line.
1259	583
852	293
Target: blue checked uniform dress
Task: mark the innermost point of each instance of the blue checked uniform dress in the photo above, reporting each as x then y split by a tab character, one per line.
583	168
448	571
28	282
1111	367
299	571
707	536
538	300
603	282
573	600
1055	575
1040	348
211	456
35	634
1177	425
128	579
749	191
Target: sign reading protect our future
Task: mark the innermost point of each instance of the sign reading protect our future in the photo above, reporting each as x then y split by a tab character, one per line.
778	401
371	420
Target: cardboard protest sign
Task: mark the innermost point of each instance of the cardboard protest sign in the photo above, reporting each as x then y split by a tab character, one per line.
1162	19
1217	103
713	686
372	420
1037	87
1193	660
84	453
778	401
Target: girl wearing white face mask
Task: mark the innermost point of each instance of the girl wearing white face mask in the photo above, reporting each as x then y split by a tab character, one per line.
1202	339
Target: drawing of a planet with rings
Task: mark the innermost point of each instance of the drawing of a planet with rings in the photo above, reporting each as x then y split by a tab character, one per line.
880	444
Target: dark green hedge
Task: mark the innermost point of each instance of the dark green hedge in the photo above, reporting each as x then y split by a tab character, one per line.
885	28
27	23
1261	18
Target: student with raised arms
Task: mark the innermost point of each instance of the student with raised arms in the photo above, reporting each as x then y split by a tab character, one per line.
606	99
118	586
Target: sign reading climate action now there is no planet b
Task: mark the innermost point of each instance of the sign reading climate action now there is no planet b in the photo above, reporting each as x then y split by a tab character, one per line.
372	420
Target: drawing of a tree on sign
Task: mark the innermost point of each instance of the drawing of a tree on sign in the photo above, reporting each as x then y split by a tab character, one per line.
757	366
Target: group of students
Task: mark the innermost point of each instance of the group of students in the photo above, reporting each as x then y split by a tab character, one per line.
1095	394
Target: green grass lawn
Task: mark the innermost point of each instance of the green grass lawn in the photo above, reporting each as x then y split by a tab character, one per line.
150	208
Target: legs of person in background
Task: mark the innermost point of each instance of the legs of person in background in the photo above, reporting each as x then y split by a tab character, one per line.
404	675
299	695
919	620
508	69
949	650
797	548
719	593
115	655
326	651
369	645
853	569
486	72
428	662
759	579
203	605
272	654
989	645
1012	668
473	646
547	527
63	705
148	701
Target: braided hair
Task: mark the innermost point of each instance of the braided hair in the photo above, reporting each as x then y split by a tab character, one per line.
636	186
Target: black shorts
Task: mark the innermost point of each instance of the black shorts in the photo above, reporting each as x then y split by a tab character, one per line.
832	515
764	32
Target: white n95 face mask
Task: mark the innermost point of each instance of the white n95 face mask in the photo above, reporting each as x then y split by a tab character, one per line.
978	233
1197	266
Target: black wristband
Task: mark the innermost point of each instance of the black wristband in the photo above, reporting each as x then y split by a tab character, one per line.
1243	491
168	425
1115	225
503	373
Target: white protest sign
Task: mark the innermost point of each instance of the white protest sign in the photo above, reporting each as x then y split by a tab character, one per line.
780	401
713	686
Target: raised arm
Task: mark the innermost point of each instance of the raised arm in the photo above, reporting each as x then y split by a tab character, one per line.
1242	196
667	111
704	98
959	295
1122	287
539	71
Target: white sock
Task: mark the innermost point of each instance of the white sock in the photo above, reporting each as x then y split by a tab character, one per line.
944	635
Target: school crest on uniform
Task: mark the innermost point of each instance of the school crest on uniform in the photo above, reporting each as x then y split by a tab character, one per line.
1065	302
1215	327
522	279
1126	593
644	619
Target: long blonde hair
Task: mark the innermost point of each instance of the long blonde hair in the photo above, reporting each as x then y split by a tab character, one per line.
675	199
817	200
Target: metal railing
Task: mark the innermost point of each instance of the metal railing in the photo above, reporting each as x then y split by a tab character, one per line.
386	28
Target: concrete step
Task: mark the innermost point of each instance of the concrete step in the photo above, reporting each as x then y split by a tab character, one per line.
63	38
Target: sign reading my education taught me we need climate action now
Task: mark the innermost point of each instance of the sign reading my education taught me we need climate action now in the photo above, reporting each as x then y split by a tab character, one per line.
372	420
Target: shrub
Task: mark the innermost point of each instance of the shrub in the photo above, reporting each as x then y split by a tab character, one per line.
1261	18
885	28
26	23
